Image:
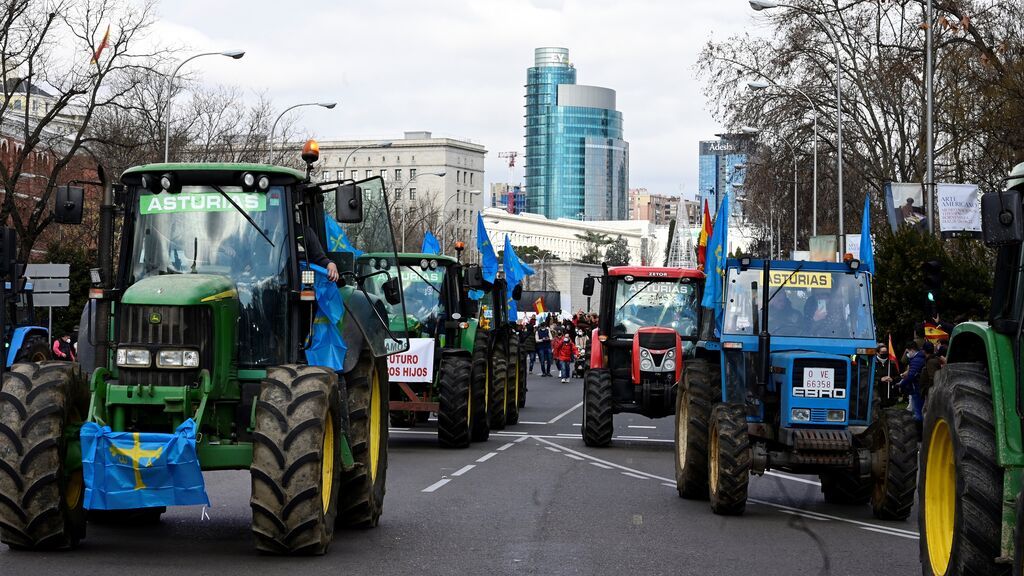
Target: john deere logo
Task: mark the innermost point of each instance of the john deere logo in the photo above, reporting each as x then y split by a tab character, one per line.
154	318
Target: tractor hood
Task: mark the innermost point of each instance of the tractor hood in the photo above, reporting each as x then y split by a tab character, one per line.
180	290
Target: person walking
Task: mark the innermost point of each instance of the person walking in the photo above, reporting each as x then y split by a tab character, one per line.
62	348
565	352
543	345
910	381
884	370
530	342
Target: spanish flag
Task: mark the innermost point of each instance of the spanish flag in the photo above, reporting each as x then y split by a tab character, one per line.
103	44
893	355
705	235
934	333
538	305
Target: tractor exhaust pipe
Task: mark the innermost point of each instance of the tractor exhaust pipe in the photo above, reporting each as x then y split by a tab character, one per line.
764	338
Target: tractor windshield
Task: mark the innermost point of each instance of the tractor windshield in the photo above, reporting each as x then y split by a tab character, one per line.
423	306
810	304
199	232
662	302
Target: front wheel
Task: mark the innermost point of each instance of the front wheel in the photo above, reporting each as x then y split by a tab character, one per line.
598	420
499	385
480	381
728	459
693	410
363	487
894	489
455	409
960	478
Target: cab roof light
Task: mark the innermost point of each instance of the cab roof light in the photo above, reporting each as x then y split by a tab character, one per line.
310	151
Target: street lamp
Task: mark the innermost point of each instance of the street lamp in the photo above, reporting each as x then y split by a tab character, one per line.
767	4
233	54
755	85
398	190
273	127
444	221
379	145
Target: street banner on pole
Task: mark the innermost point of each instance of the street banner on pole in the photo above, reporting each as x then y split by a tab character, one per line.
904	204
959	210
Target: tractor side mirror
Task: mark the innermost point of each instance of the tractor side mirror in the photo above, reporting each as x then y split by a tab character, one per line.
348	200
391	291
588	286
517	292
474	277
1002	223
67	205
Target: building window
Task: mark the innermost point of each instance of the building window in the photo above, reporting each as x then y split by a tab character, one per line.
369	174
412	193
398	174
458	176
412	171
355	174
341	174
470	178
398	194
325	176
383	174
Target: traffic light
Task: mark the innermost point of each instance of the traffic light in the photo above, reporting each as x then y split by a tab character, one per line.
932	279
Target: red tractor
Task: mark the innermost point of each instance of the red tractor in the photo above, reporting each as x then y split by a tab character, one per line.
649	321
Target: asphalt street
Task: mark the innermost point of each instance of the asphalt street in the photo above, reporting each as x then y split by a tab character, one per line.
531	500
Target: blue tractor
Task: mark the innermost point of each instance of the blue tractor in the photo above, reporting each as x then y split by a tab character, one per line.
23	340
783	379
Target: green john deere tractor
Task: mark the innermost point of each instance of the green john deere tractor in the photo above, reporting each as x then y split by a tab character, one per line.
208	318
972	454
435	374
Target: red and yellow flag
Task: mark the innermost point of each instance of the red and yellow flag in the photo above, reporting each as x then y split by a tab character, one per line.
934	333
103	44
705	235
893	355
538	305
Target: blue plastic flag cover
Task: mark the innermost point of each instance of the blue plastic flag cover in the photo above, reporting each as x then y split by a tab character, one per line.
326	347
141	469
431	245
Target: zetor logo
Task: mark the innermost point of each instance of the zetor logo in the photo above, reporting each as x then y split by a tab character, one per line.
658	274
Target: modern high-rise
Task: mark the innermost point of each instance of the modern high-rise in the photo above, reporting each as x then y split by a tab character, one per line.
720	170
577	164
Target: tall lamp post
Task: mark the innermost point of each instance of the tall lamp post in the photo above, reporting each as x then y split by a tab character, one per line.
444	221
358	148
234	54
405	210
273	127
767	4
814	146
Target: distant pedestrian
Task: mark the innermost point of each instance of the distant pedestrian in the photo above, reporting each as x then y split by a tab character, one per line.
62	348
565	352
911	379
543	344
530	341
884	370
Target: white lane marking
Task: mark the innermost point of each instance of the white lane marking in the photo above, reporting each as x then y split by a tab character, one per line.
507	432
564	414
534	423
488	456
568	435
793	478
806	515
599	465
631	475
890	533
667	484
436	485
593	459
573	456
505	446
642	427
555	450
520	439
398	429
557	437
577	424
875	527
464	469
631	437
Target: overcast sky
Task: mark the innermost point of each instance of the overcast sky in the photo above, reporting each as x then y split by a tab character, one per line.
457	67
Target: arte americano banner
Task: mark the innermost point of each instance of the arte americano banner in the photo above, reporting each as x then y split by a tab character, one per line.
959	208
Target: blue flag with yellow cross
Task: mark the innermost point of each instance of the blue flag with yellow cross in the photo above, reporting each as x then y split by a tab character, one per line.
141	469
337	240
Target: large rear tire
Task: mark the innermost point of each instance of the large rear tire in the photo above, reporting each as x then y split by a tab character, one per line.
295	460
40	500
513	384
480	381
363	487
895	488
961	482
701	383
455	407
499	384
728	459
598	419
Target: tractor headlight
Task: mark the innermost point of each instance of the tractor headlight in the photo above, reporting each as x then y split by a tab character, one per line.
177	359
669	364
671	354
836	415
645	353
308	277
133	357
801	414
646	364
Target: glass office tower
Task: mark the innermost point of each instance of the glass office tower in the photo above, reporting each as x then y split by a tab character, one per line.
718	172
577	164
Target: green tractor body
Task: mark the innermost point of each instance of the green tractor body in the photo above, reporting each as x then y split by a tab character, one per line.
208	318
972	448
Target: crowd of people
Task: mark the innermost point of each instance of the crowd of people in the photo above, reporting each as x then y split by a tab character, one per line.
913	374
551	341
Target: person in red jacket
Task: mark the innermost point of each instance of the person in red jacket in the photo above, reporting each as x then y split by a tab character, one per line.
565	352
62	348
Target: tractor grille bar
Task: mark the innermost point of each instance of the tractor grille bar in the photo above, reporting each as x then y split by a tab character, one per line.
178	326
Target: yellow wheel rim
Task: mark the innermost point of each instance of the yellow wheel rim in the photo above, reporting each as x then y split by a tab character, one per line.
940	497
74	490
713	460
374	423
327	464
682	417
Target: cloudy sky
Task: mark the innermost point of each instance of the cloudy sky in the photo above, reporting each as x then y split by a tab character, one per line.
457	67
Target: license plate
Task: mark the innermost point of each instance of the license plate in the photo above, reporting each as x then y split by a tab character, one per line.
819	378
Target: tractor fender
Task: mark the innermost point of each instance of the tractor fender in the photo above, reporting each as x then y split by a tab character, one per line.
352	333
354	343
19	336
596	350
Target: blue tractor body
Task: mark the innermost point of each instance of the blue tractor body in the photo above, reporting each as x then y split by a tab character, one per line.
23	340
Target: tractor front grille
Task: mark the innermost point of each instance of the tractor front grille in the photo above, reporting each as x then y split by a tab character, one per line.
178	327
657	340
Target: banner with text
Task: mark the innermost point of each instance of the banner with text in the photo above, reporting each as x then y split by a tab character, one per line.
416	365
959	210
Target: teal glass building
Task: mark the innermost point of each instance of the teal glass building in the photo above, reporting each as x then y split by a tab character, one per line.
577	163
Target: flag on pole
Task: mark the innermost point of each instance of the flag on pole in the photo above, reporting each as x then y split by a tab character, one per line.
430	244
893	355
867	256
718	251
538	305
489	259
705	235
103	44
337	240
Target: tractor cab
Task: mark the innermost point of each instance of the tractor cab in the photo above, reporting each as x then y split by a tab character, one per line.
648	324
